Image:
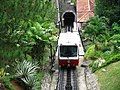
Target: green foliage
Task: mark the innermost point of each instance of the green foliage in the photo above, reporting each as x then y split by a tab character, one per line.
26	28
114	58
96	29
109	9
97	64
25	69
73	1
30	81
105	59
38	77
115	42
6	80
116	28
90	53
2	72
104	41
27	72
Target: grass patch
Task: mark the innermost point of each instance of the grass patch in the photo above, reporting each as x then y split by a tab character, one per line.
109	79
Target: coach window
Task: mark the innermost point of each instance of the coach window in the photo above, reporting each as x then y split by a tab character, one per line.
68	51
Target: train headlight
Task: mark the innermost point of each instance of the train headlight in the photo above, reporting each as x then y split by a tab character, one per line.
68	61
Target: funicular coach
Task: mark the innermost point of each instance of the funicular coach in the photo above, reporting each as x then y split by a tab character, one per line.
69	49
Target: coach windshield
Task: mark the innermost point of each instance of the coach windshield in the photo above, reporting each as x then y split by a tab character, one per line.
68	51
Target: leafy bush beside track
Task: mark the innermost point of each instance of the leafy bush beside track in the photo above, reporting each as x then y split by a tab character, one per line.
104	41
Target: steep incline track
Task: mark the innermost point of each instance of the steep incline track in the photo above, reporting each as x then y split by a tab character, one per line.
61	80
74	79
67	79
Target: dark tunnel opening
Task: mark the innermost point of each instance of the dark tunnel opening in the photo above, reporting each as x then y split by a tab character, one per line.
69	19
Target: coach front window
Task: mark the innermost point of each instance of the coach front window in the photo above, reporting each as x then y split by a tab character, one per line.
68	51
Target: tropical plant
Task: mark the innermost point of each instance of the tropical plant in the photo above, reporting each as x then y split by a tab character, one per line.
30	81
25	69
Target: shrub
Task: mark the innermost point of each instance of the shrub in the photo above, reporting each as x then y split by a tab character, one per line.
90	53
108	57
6	80
26	71
114	58
97	64
38	77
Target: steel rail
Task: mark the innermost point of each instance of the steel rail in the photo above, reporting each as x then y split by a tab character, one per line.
61	79
74	79
67	79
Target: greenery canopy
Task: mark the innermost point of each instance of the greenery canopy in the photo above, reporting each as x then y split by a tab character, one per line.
23	25
108	8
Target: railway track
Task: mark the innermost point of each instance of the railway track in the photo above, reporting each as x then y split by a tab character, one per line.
67	79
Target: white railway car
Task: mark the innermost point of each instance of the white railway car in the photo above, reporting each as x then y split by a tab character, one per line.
69	49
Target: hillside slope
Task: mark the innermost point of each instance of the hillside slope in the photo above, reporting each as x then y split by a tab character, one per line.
109	79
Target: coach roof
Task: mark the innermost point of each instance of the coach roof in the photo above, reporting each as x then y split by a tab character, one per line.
69	38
